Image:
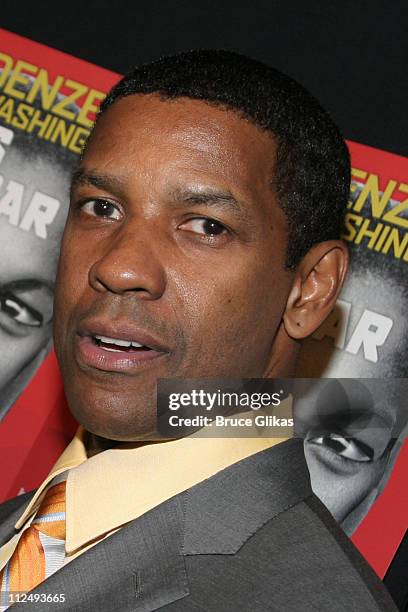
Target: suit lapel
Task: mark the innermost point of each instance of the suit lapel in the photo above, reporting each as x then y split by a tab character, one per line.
138	568
235	503
10	512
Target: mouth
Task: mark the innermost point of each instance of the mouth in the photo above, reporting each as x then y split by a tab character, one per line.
116	345
122	349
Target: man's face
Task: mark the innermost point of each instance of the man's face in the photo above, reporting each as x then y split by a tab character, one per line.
175	242
28	263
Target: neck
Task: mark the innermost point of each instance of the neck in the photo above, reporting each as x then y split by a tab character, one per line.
95	444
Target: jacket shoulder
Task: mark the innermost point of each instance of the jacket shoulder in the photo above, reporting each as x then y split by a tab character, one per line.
298	560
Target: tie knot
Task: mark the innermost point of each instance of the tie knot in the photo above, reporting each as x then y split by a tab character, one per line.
50	518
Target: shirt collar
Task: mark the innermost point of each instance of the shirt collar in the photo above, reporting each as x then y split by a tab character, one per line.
120	484
73	455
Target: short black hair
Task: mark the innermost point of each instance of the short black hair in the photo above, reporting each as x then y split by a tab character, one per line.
312	170
31	146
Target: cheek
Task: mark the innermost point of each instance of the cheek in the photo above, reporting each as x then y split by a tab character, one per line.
339	490
72	274
71	277
16	353
232	317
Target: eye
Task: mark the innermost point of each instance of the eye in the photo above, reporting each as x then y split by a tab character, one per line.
19	311
101	208
204	226
349	448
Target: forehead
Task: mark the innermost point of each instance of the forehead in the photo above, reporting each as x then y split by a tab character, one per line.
347	403
35	173
191	136
24	253
375	291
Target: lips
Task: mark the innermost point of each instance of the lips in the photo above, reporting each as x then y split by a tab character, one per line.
116	347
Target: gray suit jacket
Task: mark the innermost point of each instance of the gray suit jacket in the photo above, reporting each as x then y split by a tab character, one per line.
251	538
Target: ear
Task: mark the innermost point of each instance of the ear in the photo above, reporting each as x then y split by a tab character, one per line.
316	286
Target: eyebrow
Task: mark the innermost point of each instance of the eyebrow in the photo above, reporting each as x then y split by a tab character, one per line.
107	182
27	284
205	196
209	196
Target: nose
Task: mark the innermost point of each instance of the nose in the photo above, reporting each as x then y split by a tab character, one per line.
128	264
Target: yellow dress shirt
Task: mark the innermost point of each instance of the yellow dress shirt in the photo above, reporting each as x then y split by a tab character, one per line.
118	485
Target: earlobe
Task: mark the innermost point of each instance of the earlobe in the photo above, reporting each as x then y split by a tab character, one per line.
316	286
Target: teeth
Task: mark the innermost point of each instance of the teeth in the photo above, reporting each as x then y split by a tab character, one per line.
107	340
112	350
126	343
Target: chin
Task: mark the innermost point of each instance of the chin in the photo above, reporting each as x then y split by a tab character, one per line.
120	432
115	419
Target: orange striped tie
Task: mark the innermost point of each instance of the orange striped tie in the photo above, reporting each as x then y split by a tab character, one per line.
26	568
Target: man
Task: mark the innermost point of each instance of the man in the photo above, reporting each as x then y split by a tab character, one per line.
202	241
34	188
